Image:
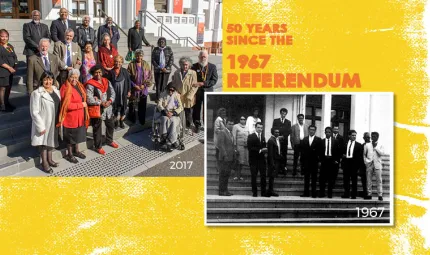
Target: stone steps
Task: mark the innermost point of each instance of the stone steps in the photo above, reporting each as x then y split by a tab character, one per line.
293	221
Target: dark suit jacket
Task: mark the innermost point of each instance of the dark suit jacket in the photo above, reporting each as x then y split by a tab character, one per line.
168	54
81	37
32	34
357	154
36	69
58	29
273	152
135	38
336	151
311	154
341	142
211	75
284	128
225	145
254	147
115	35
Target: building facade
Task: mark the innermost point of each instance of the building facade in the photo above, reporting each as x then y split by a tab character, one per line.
200	20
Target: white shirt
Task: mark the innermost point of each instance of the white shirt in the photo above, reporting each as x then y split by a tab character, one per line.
311	139
302	131
348	150
327	140
279	145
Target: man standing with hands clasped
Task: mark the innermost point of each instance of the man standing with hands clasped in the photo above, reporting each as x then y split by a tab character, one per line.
373	159
257	162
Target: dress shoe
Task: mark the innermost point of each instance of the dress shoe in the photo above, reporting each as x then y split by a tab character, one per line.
79	155
229	194
367	197
225	194
321	196
121	124
101	151
354	197
254	195
330	196
380	199
314	196
71	159
265	194
344	196
273	194
11	107
304	195
113	144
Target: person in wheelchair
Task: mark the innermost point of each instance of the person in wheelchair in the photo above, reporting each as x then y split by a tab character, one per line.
170	107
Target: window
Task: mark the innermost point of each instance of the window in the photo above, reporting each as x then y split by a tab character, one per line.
98	5
79	7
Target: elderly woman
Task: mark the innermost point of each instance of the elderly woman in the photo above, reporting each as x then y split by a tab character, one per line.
141	79
162	61
185	82
89	59
252	120
170	106
73	115
100	93
240	136
120	80
107	52
8	61
44	106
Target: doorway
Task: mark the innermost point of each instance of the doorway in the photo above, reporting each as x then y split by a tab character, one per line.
17	9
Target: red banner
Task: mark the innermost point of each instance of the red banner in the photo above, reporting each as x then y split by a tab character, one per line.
177	6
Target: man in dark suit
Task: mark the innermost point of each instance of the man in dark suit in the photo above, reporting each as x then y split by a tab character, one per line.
32	32
59	26
330	155
41	62
85	33
207	77
135	37
284	127
351	162
340	140
226	157
257	148
310	146
275	159
109	29
298	132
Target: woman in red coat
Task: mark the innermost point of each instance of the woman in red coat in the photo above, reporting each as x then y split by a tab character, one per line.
107	52
73	115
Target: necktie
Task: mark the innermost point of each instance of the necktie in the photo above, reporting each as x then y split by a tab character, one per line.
282	120
69	57
110	32
47	66
328	148
65	24
349	150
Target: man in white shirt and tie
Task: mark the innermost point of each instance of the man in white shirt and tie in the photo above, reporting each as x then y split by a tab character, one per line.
275	158
351	162
373	153
310	146
330	157
298	132
69	52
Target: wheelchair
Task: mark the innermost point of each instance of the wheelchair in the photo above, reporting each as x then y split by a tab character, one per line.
157	140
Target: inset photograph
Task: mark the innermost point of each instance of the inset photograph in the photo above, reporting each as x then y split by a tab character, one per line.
299	159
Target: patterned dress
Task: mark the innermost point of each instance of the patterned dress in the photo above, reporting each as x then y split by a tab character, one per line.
240	136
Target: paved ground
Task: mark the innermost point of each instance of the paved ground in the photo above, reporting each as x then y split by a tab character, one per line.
187	163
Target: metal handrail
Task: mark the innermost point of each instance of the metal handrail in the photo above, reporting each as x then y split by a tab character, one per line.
167	29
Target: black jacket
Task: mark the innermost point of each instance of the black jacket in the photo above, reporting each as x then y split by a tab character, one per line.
284	128
105	30
273	152
32	34
211	75
168	54
135	38
81	37
254	147
310	153
58	29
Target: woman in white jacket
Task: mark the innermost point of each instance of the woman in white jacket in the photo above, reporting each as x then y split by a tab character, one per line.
44	108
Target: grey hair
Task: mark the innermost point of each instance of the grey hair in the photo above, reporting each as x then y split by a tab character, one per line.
33	12
104	35
185	59
139	52
68	31
44	40
203	51
86	16
72	72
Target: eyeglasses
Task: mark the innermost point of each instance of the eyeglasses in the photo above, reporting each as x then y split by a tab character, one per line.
242	119
171	90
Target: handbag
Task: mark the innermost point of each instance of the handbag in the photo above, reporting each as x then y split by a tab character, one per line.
94	111
130	56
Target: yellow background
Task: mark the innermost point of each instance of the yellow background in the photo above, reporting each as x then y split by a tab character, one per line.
384	41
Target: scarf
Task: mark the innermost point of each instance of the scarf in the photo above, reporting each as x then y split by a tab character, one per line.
102	87
66	101
162	58
172	103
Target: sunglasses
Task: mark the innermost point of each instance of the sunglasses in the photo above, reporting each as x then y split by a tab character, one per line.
171	90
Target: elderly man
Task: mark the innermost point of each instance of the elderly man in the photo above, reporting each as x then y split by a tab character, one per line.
170	106
207	77
69	52
41	62
60	25
373	153
32	32
135	37
109	29
85	33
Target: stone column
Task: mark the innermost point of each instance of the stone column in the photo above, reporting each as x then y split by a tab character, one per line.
326	114
217	32
170	6
360	114
210	20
